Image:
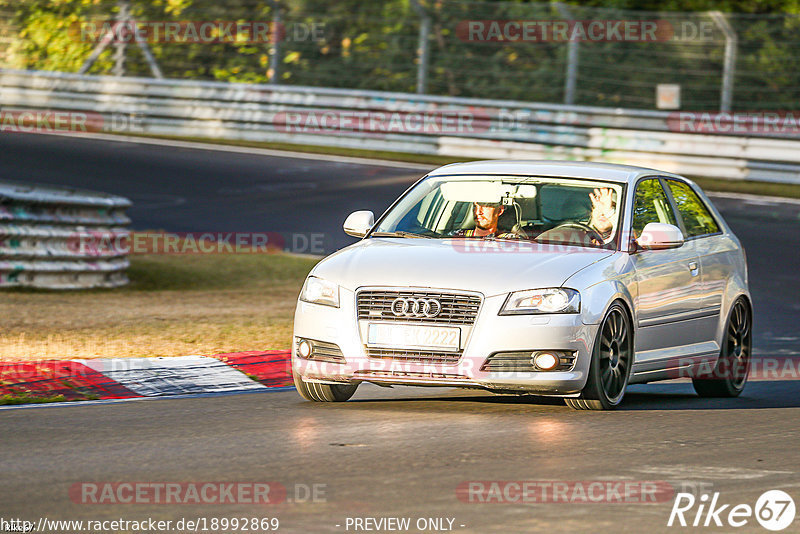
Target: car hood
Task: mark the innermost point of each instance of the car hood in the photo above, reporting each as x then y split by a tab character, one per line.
490	267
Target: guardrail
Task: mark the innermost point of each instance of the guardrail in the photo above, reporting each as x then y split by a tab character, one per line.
60	238
494	128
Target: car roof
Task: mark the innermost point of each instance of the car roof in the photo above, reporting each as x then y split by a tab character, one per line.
572	169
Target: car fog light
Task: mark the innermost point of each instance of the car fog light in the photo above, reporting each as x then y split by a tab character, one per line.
304	349
545	361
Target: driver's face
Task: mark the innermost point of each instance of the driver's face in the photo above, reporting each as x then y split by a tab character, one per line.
486	216
602	222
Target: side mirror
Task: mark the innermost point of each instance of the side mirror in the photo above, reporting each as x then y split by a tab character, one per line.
659	236
358	223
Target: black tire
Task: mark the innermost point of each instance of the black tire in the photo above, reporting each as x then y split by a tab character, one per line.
610	369
311	391
733	365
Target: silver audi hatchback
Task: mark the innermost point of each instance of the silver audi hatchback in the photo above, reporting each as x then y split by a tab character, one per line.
546	278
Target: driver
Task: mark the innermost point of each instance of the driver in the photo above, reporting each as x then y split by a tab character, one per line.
486	215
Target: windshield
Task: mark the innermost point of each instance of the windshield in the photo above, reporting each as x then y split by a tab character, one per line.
541	209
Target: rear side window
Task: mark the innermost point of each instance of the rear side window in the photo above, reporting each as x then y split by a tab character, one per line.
650	205
696	218
560	204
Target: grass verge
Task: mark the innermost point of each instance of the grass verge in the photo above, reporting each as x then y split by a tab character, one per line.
24	398
176	305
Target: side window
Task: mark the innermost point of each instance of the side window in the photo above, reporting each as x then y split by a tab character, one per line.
696	217
650	205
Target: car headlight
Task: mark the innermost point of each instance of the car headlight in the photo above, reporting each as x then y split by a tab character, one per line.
552	300
319	291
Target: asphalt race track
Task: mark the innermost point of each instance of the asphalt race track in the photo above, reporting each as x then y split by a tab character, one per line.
183	190
399	452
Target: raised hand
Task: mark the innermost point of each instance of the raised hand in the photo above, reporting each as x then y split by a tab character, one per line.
602	202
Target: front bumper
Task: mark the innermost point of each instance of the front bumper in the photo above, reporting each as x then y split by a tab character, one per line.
490	333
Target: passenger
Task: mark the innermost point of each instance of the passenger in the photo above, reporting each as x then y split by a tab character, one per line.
603	216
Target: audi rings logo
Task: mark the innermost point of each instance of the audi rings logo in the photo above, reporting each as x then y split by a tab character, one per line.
411	307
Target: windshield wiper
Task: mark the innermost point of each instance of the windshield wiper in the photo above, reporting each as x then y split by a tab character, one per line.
398	233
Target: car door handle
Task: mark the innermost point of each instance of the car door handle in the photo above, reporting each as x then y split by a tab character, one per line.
693	268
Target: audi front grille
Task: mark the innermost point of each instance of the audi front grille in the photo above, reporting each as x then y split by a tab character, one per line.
418	306
444	358
368	373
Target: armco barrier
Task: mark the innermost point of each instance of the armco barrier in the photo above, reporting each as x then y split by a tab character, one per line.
60	238
497	128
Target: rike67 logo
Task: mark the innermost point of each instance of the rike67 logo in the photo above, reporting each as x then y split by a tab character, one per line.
774	510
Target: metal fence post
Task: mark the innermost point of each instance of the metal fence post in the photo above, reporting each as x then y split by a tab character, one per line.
121	47
276	37
124	17
148	57
729	66
571	77
423	49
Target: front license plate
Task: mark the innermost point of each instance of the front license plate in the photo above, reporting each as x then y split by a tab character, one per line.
414	337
